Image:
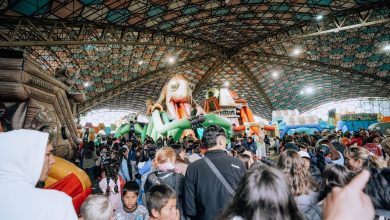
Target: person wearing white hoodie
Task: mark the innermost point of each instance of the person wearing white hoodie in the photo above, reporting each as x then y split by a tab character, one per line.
26	158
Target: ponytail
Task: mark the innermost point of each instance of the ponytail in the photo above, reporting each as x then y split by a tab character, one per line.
374	161
116	190
321	162
111	172
108	186
370	160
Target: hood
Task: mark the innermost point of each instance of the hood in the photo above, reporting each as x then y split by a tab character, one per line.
22	156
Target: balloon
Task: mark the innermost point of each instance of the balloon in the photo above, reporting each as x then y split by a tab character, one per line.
101	126
107	130
113	127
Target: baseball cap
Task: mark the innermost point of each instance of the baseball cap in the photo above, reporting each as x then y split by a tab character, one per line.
304	154
324	148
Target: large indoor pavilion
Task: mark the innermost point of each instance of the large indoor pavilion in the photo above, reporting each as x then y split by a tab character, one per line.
227	109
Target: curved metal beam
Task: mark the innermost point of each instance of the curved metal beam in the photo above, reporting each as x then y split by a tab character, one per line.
245	70
137	82
82	33
210	72
98	42
350	20
315	65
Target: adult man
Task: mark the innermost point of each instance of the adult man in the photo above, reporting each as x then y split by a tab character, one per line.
250	145
336	156
290	144
25	159
336	143
204	193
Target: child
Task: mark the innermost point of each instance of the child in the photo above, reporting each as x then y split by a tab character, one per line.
161	203
130	210
96	207
110	185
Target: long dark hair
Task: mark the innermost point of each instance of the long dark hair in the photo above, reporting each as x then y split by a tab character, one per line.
88	153
264	194
111	172
178	148
334	175
245	159
151	152
378	188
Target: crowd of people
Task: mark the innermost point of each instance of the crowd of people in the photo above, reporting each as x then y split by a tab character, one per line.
326	175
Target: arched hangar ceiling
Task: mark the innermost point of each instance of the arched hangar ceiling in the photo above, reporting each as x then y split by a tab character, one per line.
339	48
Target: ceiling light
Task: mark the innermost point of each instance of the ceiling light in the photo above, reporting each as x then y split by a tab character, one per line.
275	74
86	84
309	90
386	48
171	60
140	62
296	51
226	83
319	17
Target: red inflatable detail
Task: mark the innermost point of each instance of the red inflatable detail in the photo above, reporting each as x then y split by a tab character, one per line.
80	198
72	186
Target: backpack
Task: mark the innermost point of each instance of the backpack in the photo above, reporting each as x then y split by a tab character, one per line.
174	180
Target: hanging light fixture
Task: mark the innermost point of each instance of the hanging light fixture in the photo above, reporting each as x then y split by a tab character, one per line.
171	59
275	74
319	17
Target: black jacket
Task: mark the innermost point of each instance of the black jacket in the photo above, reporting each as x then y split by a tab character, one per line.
291	146
204	195
170	178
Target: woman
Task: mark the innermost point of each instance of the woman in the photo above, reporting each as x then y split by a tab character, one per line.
373	145
263	194
345	139
298	177
181	163
313	169
124	166
334	175
110	185
166	173
358	158
89	160
386	148
246	160
357	139
145	168
378	189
